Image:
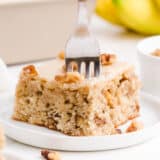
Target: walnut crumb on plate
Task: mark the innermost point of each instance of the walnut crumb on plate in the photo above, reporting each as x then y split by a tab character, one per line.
135	126
50	155
118	131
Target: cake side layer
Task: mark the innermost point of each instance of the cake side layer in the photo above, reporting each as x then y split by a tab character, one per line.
81	108
49	104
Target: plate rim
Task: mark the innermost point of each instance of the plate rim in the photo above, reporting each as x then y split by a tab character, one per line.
84	138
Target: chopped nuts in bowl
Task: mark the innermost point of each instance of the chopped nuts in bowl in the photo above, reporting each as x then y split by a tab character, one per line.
148	54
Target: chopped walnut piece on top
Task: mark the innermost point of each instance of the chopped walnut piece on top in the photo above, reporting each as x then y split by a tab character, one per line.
30	70
107	59
135	126
50	155
61	55
69	77
74	67
156	53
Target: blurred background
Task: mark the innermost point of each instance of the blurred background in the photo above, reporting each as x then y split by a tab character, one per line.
38	29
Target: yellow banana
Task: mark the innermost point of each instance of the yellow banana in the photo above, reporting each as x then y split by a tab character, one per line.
106	10
158	4
141	16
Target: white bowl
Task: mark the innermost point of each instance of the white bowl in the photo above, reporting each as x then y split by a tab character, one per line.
149	65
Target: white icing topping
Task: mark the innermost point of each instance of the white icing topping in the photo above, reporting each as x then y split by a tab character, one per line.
54	67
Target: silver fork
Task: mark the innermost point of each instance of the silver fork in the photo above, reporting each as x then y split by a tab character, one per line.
82	48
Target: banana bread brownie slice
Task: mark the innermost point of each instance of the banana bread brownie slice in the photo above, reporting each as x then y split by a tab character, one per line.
47	96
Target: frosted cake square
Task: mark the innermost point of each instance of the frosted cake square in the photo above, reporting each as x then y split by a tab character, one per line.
67	102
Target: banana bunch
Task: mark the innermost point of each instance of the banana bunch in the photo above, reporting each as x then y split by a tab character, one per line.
142	16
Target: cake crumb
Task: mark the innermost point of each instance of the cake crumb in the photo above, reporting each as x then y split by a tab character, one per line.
61	55
135	126
75	106
69	77
156	53
108	59
50	155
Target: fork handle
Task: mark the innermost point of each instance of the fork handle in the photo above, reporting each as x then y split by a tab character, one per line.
83	17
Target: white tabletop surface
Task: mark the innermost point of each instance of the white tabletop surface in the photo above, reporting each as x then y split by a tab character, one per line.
115	40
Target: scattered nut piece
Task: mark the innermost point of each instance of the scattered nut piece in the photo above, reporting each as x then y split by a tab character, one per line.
156	53
135	126
107	59
50	155
118	131
69	77
31	70
61	55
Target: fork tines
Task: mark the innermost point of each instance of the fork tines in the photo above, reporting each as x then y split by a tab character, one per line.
87	66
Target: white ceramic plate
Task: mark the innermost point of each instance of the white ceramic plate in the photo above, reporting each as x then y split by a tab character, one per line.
45	138
9	155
